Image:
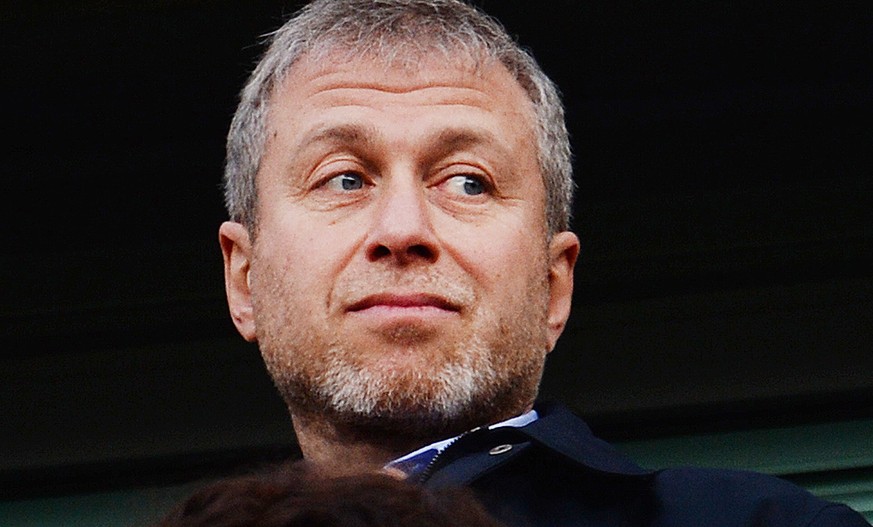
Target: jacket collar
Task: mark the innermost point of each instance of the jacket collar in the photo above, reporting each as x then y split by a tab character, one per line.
561	430
557	430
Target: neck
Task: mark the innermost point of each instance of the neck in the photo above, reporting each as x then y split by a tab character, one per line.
342	450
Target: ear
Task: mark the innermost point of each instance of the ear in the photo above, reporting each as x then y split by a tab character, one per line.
563	251
236	248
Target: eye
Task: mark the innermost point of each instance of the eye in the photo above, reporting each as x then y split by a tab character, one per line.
345	182
467	185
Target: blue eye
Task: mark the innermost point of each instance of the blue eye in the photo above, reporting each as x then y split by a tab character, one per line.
346	181
467	185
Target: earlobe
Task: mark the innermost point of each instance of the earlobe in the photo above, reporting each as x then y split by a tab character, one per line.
563	251
237	251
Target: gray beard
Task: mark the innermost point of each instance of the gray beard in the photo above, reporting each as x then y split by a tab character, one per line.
437	395
494	374
433	403
439	400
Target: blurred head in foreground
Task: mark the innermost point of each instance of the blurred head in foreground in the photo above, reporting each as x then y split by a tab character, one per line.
295	495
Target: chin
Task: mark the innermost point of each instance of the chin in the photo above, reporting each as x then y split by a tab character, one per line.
412	419
436	404
417	393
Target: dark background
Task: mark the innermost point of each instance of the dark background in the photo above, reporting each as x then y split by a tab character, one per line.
725	205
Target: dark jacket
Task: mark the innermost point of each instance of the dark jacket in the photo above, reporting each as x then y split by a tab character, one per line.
554	472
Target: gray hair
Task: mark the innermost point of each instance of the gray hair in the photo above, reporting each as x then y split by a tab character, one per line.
396	31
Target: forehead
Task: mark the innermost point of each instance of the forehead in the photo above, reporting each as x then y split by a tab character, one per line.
342	80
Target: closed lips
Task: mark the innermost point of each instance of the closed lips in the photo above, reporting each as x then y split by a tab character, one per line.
403	301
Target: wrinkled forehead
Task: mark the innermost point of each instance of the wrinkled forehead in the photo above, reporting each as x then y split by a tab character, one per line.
336	85
411	68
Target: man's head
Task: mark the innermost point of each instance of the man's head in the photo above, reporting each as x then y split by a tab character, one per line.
399	32
300	495
398	176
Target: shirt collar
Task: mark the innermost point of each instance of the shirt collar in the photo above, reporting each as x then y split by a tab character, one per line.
516	422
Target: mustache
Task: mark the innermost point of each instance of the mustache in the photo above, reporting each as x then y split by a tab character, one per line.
357	290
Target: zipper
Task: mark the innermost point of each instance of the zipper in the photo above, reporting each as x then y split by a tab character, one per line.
428	470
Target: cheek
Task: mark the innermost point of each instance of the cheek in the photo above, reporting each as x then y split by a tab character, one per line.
293	243
297	268
503	254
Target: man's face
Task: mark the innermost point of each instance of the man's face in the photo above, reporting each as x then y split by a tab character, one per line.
401	276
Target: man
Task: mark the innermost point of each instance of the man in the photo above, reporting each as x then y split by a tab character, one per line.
399	183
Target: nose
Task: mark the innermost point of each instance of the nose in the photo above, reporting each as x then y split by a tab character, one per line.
402	229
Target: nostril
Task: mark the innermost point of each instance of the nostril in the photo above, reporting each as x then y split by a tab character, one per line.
413	252
421	251
380	251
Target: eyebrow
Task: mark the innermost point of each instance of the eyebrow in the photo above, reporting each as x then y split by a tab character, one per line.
451	140
354	134
365	138
457	138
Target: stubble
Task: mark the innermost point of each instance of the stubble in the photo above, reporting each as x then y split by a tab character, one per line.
414	382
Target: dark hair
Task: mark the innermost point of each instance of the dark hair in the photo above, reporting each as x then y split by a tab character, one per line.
297	495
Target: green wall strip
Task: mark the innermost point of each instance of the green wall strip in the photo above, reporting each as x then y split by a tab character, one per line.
834	461
781	451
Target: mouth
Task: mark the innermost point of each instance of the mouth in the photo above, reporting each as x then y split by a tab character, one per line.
404	302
